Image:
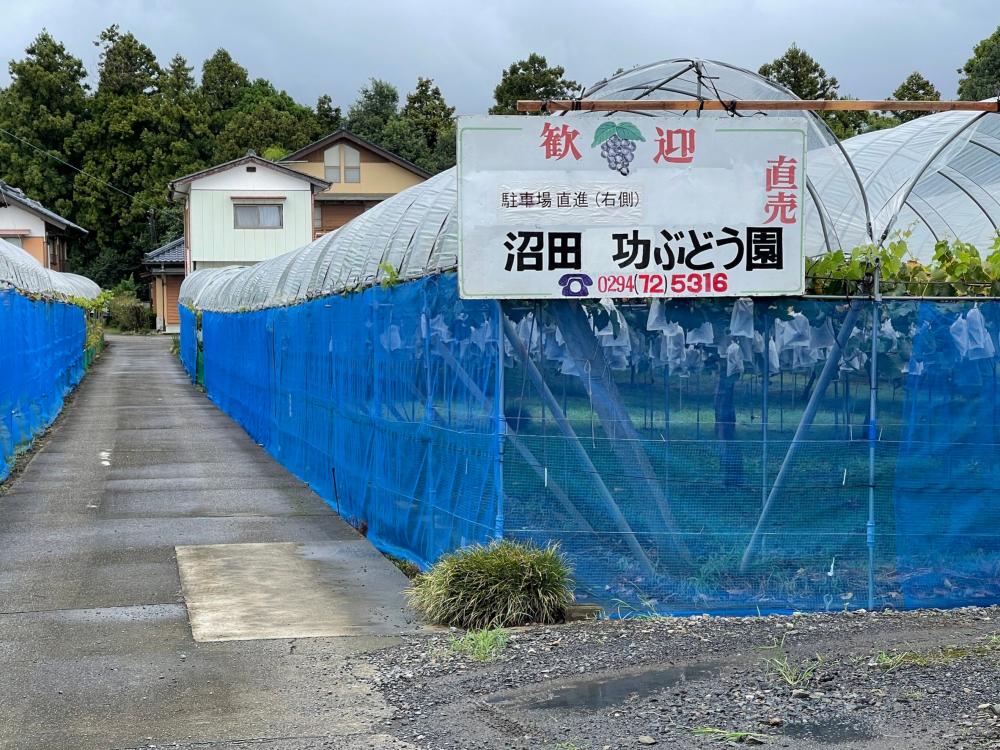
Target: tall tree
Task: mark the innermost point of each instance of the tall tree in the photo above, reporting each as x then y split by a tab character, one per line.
532	78
377	104
145	129
328	117
981	73
918	89
267	121
400	137
223	81
427	111
798	72
43	105
127	66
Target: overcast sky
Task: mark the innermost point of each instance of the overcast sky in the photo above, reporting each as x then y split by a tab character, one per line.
312	47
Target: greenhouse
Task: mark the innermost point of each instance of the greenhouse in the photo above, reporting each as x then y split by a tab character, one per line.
688	456
45	330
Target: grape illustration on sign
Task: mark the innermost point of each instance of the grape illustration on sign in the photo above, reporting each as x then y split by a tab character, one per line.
617	144
654	207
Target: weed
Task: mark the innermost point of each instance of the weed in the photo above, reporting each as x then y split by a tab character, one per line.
481	645
503	584
567	746
889	661
390	275
625	611
793	674
894	660
407	568
724	734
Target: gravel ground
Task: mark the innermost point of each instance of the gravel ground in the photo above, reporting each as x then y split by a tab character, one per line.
923	679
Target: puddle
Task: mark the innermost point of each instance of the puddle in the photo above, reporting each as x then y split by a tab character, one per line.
611	689
829	731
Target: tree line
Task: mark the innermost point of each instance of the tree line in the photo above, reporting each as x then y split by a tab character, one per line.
103	155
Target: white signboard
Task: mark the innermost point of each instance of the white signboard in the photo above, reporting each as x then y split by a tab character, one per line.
630	206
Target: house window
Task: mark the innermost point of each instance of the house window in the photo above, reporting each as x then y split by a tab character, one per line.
317	217
258	216
331	163
352	164
14	240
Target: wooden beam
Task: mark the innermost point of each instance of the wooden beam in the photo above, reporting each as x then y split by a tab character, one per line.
812	105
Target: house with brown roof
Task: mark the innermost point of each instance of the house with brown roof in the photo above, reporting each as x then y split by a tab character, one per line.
360	175
43	233
165	269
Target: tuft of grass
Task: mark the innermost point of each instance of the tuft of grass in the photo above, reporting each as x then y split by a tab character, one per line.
502	584
890	660
409	569
481	645
793	674
726	735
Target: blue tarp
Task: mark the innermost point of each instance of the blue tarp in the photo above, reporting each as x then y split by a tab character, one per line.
637	437
41	345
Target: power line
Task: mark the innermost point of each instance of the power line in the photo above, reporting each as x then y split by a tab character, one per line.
135	198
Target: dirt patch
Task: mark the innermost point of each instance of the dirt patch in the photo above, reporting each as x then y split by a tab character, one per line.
926	679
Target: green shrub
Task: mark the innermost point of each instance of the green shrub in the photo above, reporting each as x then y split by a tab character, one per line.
126	313
503	584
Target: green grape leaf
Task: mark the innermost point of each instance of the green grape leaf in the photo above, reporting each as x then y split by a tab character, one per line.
629	132
605	131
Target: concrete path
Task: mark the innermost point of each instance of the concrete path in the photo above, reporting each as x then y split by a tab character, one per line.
96	649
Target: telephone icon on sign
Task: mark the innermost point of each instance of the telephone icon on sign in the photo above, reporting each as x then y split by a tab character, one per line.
576	285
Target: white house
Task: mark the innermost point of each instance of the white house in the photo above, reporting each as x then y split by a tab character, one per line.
244	211
31	226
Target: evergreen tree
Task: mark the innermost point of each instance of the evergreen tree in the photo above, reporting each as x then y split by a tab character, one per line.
223	81
401	138
532	78
376	106
44	104
328	117
981	73
443	157
798	72
427	112
915	88
267	121
147	126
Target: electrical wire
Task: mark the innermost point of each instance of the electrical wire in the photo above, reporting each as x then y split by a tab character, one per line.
135	198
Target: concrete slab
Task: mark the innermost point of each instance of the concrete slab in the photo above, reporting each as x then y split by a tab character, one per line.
291	590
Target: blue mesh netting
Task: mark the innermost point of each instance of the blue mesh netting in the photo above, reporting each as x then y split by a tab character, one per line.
637	436
42	346
384	402
189	340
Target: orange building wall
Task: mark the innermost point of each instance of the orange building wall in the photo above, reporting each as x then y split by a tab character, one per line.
173	291
36	246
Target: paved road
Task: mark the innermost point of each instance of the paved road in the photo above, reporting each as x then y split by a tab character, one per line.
95	645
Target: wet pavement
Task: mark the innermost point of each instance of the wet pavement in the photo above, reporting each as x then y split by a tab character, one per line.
96	648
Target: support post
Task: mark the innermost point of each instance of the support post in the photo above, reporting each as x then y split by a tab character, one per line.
567	430
763	411
873	435
829	369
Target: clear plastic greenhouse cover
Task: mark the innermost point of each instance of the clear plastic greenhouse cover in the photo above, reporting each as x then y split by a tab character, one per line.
22	272
937	177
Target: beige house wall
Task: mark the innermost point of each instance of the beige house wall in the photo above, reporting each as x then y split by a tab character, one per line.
379	176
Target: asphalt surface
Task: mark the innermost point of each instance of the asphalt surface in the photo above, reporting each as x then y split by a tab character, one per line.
96	648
